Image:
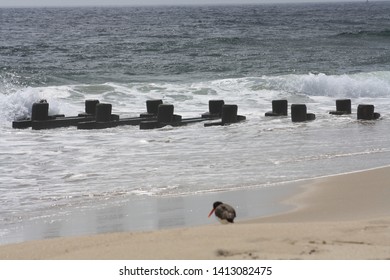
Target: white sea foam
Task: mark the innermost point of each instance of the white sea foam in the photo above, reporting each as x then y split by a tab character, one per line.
253	95
18	103
245	55
65	167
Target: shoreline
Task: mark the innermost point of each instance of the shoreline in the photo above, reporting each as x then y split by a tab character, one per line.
350	196
336	217
137	214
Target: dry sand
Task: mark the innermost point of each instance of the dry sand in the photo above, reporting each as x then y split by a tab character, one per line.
340	217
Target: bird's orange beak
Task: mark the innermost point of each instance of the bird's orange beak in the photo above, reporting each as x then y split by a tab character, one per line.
212	211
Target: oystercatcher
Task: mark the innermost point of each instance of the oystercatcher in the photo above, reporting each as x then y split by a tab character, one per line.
224	212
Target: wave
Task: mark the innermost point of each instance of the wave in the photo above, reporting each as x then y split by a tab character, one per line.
371	85
366	33
192	96
16	103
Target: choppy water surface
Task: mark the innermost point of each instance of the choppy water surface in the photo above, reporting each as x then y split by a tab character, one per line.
245	55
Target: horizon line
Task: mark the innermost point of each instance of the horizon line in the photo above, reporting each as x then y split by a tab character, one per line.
179	5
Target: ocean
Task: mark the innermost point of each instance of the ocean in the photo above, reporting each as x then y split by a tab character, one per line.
64	181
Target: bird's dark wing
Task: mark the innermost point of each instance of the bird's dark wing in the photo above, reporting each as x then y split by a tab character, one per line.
225	212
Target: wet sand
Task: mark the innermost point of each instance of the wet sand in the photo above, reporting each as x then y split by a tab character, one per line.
339	217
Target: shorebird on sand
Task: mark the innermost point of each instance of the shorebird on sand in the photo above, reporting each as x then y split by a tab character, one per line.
224	212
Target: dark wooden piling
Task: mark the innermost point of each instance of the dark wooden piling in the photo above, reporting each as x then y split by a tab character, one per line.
40	111
215	109
151	108
299	113
343	107
229	116
279	108
366	112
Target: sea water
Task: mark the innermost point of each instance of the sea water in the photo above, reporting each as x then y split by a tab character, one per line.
132	179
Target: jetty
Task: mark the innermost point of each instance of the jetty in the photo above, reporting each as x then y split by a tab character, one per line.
99	115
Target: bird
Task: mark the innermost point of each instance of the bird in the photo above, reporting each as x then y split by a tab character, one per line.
224	212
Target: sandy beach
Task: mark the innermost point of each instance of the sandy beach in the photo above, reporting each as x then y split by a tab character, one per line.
339	217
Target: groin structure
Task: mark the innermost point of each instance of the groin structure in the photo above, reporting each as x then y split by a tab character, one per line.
99	115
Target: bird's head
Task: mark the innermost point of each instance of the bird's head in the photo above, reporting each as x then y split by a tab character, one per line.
215	205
